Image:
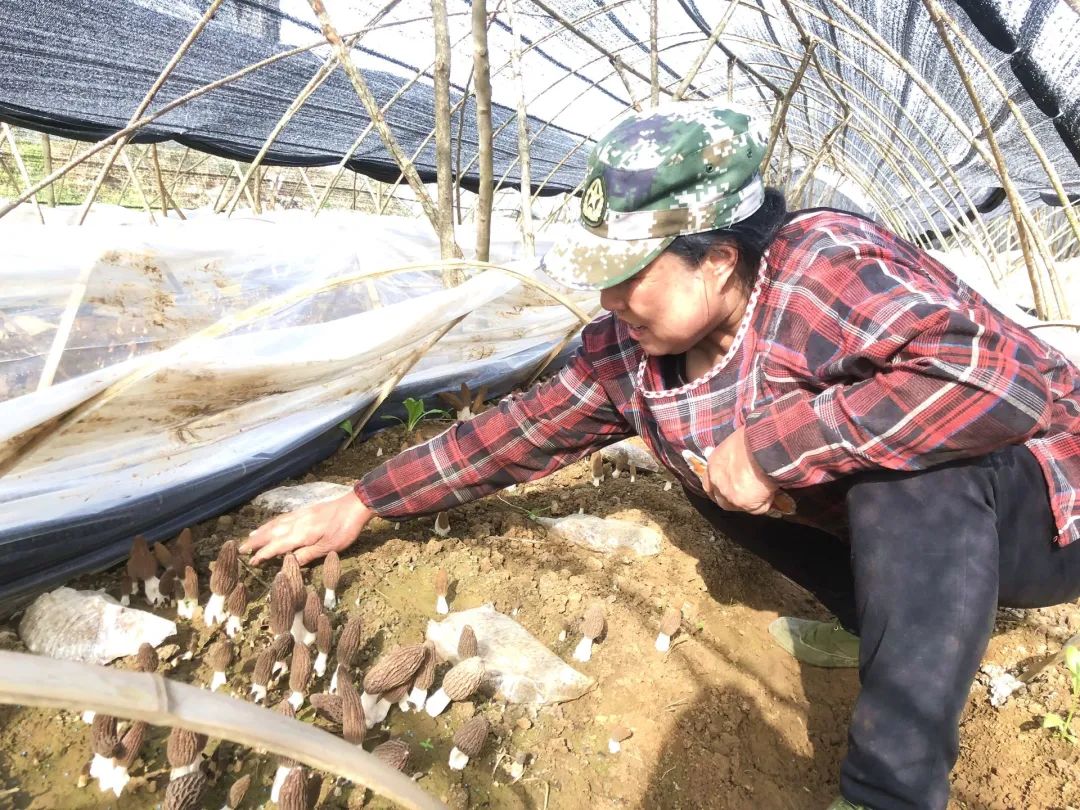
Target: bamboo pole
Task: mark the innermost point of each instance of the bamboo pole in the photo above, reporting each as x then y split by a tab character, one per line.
618	67
46	168
527	235
138	185
35	680
448	247
654	59
111	158
368	100
21	166
484	136
160	181
785	102
710	43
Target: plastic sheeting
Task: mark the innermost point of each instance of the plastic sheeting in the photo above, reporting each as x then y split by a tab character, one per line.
212	421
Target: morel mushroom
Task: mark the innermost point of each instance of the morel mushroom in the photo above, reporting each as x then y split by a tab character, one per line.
235	606
167	584
260	676
282	647
331	578
442	524
237	792
146	659
353	722
299	675
597	464
425	677
442	587
285	765
128	752
294	791
184	550
466	405
105	744
394	752
163	555
324	637
592	628
396	695
467	646
347	648
394	669
329	706
186	606
458	684
281	606
143	567
469	741
619	734
185	792
669	626
183	750
223	579
290	566
219	658
128	587
517	767
312	610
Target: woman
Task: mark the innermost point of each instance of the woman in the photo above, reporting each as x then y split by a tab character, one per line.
924	449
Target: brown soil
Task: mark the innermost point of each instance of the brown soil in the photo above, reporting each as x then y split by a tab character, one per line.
725	720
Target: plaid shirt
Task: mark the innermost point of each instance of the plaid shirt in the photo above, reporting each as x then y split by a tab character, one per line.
858	351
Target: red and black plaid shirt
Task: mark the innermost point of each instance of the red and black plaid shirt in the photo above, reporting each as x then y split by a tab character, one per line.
858	351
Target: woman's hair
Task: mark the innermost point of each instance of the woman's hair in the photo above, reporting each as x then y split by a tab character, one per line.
752	236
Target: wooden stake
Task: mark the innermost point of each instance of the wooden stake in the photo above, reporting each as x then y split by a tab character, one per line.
654	59
484	136
46	154
10	136
710	43
527	235
448	247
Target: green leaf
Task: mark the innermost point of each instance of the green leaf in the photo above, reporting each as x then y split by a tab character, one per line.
426	744
1053	720
1072	659
347	426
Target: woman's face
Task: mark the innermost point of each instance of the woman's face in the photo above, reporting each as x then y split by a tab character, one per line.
670	306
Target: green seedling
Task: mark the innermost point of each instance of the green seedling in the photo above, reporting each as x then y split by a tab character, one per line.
347	426
415	413
1062	726
427	745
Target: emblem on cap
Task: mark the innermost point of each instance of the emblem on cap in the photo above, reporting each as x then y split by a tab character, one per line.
594	202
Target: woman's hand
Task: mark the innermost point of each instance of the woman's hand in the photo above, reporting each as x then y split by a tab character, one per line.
311	532
736	481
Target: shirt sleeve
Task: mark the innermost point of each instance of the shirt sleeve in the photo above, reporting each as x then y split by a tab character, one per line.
910	378
524	438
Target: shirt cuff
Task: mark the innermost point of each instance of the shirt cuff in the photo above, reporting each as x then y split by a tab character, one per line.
782	434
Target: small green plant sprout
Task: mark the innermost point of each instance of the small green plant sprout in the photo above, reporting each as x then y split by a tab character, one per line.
415	413
427	744
1062	726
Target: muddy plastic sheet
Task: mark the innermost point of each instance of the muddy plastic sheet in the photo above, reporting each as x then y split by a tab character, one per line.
186	422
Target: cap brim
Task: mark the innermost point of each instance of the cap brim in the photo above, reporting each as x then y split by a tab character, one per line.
591	262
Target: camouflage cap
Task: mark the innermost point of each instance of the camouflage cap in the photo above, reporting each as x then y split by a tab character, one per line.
682	167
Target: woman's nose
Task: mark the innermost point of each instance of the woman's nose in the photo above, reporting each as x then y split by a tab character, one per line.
612	299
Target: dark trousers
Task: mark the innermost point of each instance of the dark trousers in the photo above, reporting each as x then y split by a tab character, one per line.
931	556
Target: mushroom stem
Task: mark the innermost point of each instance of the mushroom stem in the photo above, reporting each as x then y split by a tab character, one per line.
296	700
333	682
184	770
441	606
320	664
120	778
298	630
101	769
232	626
368	701
185	608
153	592
583	650
214	613
88	717
614	746
258	693
403	704
418	697
330	599
217	681
378	712
280	775
437	703
458	759
663	642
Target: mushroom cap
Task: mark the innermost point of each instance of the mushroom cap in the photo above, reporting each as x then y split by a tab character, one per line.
425	676
593	623
331	571
281	604
329	706
167	583
470	738
141	564
324	634
146	659
191	584
394	752
186	792
183	747
282	646
353	724
185	549
294	794
669	625
103	738
220	655
237	600
597	465
466	646
464	679
290	566
312	609
349	643
130	744
314	788
163	555
442	582
621	732
126	581
300	668
395	668
226	571
264	665
239	789
397	694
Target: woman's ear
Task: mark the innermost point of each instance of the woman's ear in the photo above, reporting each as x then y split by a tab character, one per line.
721	262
